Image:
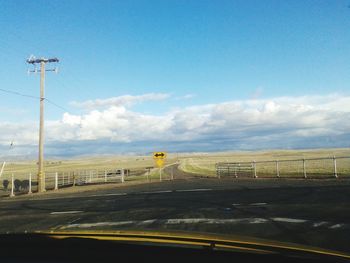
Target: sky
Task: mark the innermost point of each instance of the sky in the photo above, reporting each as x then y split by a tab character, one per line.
179	76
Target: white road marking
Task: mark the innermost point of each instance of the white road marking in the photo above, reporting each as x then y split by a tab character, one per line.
65	212
194	190
64	197
157	192
215	221
258	220
336	226
318	224
186	221
182	221
147	222
289	220
171	222
115	194
89	225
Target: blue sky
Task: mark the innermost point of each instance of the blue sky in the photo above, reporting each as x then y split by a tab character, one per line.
196	53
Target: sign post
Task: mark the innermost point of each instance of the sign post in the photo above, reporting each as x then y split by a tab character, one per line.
159	158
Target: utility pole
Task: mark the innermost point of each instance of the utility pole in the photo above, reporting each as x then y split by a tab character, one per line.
42	61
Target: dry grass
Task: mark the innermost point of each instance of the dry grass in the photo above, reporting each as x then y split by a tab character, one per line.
201	163
134	163
205	163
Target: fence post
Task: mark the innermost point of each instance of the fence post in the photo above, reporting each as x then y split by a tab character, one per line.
2	168
160	174
68	178
30	184
172	172
122	175
335	167
90	172
235	167
105	176
73	179
56	181
254	164
218	173
277	169
304	168
148	174
12	186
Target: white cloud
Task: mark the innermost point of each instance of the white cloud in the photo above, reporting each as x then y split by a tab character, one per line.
269	122
24	134
126	100
186	97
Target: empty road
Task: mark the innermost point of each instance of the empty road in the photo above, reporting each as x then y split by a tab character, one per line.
311	212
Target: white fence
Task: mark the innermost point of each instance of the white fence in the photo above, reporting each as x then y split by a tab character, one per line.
336	167
27	183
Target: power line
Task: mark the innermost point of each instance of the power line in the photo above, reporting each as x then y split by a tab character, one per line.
19	94
55	104
33	97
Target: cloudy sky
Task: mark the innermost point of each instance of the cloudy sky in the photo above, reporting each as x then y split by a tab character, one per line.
138	76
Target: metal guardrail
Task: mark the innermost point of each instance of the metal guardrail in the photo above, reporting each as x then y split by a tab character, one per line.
325	167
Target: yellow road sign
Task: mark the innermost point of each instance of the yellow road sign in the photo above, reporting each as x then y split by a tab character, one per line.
159	155
159	162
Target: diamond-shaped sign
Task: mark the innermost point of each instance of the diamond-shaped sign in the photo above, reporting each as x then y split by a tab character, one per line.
159	155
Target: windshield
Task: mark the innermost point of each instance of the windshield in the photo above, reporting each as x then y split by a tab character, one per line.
200	117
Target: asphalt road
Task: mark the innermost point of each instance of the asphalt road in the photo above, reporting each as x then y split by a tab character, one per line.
312	212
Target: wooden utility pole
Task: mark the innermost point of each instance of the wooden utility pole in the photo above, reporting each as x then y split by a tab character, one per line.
42	62
41	173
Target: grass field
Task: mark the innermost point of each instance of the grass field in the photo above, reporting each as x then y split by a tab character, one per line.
89	170
205	163
199	163
134	163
